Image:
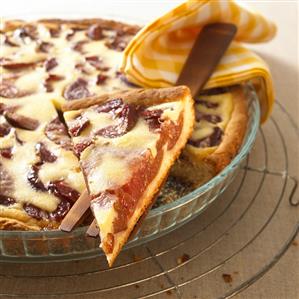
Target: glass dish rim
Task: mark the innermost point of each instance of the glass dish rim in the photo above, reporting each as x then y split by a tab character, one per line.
163	208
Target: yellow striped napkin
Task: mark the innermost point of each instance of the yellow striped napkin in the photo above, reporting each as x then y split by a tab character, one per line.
156	55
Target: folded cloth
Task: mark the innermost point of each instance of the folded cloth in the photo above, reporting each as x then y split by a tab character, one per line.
156	55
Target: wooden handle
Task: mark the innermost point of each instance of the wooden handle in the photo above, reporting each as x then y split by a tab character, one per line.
209	47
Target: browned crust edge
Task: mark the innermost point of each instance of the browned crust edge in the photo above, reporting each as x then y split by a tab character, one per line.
145	96
77	23
200	170
234	133
13	219
9	224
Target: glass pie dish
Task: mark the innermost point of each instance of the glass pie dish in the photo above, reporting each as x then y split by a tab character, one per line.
47	246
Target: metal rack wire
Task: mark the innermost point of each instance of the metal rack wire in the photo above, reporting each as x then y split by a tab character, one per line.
152	271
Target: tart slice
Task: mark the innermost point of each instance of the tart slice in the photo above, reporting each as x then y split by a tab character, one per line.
127	143
220	126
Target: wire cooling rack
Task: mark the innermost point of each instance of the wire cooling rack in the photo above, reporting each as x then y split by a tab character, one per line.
220	249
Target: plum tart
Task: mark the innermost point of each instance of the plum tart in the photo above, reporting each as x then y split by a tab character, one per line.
120	146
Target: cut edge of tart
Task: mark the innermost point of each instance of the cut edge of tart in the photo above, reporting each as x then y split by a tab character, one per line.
155	142
198	164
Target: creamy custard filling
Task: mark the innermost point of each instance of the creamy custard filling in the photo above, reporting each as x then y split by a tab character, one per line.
41	172
212	116
140	137
70	56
